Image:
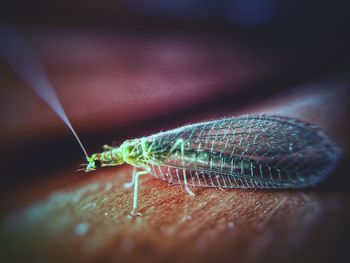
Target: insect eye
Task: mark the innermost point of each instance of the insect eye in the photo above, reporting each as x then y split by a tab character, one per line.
97	163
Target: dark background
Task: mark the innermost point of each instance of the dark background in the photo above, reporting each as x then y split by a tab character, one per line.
125	69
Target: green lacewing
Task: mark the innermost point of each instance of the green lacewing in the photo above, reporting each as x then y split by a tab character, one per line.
249	151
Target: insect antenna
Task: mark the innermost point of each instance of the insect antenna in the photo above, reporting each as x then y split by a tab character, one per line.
80	143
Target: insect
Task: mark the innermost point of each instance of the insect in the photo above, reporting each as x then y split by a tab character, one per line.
250	151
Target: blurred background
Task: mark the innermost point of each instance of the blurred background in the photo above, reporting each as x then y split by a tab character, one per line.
125	69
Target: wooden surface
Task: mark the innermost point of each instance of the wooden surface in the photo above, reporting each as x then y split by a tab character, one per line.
89	221
50	213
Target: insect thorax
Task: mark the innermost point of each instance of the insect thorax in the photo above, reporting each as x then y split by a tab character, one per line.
136	152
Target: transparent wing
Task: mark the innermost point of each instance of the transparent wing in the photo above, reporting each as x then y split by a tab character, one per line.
259	151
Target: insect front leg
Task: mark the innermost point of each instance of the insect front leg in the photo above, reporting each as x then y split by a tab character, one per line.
132	182
136	189
180	143
107	147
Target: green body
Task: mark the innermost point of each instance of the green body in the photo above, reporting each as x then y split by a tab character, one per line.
139	153
134	152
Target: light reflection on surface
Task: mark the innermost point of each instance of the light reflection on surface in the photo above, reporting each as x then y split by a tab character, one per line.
90	217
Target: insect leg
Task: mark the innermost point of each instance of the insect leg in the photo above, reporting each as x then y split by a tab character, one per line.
136	189
180	143
188	190
131	183
107	147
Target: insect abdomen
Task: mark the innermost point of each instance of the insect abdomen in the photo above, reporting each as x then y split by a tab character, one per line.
245	152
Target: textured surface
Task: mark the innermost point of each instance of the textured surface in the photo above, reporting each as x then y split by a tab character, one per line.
89	221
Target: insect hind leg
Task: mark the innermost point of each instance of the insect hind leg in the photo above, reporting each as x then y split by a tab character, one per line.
180	143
